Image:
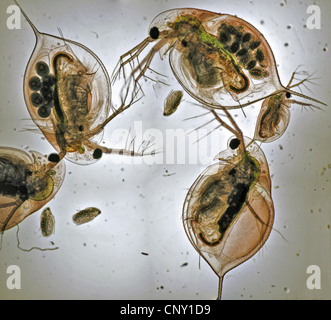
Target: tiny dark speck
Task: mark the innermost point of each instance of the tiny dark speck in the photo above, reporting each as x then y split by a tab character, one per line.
184	264
145	253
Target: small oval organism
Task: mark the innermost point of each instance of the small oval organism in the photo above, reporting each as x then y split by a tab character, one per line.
222	61
172	102
274	115
228	212
86	215
67	91
47	222
27	183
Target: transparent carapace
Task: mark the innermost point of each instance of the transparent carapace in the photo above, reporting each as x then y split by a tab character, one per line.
274	115
228	212
27	183
222	61
68	94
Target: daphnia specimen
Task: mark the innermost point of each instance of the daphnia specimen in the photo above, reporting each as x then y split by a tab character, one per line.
274	115
27	183
222	61
68	94
228	212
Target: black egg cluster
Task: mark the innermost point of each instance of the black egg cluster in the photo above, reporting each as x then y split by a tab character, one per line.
245	48
42	86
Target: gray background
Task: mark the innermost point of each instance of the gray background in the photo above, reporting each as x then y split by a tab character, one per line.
141	204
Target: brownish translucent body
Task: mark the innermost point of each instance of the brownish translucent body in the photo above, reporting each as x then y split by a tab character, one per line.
68	94
274	115
27	183
222	61
228	212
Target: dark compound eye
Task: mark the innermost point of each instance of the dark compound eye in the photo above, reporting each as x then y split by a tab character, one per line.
34	83
54	157
81	128
154	33
184	43
288	95
234	143
42	68
97	154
